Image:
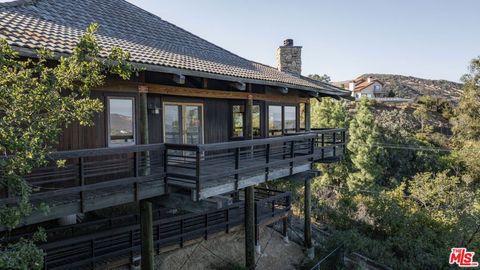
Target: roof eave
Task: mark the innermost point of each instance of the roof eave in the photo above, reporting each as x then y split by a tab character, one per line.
29	52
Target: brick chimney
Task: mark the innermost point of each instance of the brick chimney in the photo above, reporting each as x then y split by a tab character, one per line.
289	58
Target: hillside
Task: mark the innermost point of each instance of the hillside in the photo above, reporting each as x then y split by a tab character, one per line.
412	87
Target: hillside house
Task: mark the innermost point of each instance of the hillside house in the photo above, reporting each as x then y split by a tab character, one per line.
199	128
364	87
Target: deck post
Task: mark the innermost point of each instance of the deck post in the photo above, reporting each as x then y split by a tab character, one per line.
250	228
308	119
308	223
146	220
144	127
249	194
285	229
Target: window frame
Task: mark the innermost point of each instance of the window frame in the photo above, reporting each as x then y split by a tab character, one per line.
232	125
134	120
282	105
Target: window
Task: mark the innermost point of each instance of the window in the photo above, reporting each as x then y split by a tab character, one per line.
121	121
257	131
238	118
238	112
290	119
302	116
274	120
281	120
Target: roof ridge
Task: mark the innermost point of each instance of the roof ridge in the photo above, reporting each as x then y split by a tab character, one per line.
18	3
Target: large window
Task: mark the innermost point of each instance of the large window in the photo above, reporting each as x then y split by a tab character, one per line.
282	120
290	119
275	120
121	121
238	120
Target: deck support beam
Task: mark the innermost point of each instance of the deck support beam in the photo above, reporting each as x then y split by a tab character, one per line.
146	220
285	229
249	228
308	223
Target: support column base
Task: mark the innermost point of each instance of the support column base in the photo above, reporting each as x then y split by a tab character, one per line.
286	240
310	253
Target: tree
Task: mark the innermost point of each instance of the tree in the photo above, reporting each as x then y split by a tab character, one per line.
466	123
36	102
364	148
322	78
421	114
329	113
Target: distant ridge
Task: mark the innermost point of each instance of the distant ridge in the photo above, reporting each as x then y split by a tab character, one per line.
412	87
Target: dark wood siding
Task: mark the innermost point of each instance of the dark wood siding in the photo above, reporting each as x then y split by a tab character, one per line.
217	118
155	127
76	137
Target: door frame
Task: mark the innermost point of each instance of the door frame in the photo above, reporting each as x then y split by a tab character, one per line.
183	105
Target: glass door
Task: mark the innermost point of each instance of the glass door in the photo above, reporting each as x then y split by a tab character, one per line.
183	123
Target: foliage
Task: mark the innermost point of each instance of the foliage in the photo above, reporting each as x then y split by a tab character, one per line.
413	231
329	113
421	114
466	123
37	100
399	158
364	149
396	203
391	93
322	78
23	254
437	104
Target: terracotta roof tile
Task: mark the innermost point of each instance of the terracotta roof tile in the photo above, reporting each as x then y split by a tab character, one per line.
58	24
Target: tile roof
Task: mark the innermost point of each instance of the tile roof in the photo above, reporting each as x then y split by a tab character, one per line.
360	83
57	25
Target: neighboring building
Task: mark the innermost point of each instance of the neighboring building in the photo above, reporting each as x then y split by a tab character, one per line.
364	87
200	123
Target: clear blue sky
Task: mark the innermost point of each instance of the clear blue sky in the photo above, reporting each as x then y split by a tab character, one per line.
343	38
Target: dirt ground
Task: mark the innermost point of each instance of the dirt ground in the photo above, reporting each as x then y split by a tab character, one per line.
226	251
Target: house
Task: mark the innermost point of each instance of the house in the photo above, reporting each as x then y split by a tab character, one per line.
199	124
364	87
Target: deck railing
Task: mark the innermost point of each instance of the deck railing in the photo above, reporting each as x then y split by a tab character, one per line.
88	244
192	166
91	172
203	165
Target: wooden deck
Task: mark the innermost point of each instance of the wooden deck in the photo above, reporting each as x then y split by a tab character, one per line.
96	243
98	178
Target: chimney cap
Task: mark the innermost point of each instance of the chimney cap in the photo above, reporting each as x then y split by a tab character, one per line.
288	42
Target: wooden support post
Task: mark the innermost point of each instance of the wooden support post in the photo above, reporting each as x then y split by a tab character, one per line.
249	118
249	194
308	222
146	223
308	118
250	228
285	229
144	129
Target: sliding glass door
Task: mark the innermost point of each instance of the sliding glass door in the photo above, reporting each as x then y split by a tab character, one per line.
183	123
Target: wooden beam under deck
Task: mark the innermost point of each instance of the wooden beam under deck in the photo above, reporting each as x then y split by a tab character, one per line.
134	87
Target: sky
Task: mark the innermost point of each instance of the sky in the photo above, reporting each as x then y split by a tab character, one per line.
432	39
